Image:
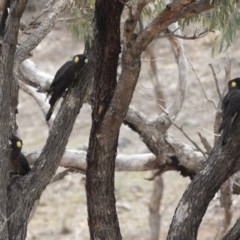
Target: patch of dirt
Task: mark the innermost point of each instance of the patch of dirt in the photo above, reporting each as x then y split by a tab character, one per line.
62	211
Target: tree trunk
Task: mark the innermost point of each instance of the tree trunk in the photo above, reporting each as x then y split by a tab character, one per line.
102	216
8	93
221	164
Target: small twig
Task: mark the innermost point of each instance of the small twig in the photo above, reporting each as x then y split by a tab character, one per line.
216	82
189	139
228	69
38	97
194	37
150	99
35	23
210	132
203	90
181	61
183	132
38	34
205	143
185	37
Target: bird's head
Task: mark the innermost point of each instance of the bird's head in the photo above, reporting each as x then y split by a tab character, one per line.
234	84
16	143
80	59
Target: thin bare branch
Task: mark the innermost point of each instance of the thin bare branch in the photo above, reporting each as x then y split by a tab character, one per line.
154	207
201	85
188	158
194	36
205	143
189	139
31	75
178	50
39	98
172	13
64	173
227	69
216	82
46	26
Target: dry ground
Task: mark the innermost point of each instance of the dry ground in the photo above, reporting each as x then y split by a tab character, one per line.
62	212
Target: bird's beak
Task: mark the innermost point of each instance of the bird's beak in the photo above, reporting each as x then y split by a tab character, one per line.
86	60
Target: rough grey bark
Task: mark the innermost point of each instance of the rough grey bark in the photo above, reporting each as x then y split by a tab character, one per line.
49	159
221	164
102	216
234	232
16	202
45	167
7	105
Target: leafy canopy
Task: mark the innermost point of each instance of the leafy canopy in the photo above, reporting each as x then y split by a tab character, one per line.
223	19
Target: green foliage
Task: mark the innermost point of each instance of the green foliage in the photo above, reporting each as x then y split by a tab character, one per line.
82	15
152	9
224	19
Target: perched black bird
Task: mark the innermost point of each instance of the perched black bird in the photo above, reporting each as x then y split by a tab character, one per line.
64	79
230	108
18	163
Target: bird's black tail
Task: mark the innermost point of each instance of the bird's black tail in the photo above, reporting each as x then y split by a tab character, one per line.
226	128
225	131
49	113
52	101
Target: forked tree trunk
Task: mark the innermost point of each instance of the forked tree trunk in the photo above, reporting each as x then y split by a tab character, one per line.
8	86
102	216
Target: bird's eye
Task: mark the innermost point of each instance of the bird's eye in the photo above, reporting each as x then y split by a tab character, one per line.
76	59
19	144
233	84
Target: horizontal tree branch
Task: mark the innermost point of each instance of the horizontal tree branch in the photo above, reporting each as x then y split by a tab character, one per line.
187	158
77	159
31	75
173	12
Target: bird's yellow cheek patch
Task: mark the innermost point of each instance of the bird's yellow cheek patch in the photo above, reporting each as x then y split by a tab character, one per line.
19	144
76	59
233	84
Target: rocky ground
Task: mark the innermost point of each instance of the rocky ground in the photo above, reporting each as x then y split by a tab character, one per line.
62	211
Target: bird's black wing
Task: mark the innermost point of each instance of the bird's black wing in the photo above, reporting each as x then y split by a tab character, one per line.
65	71
62	80
230	108
225	111
23	165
